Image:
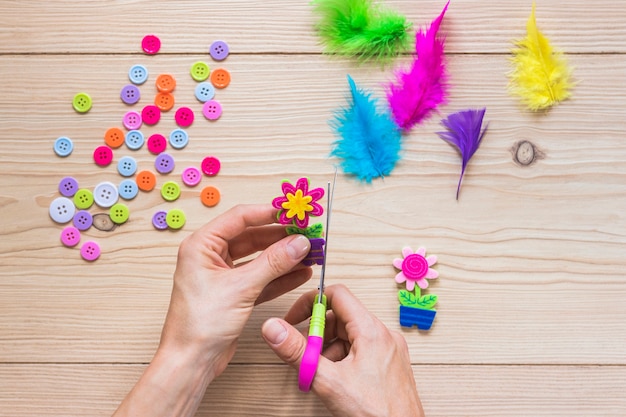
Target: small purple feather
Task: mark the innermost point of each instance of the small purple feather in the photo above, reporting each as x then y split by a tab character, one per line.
464	132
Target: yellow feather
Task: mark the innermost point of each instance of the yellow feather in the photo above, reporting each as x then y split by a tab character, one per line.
540	75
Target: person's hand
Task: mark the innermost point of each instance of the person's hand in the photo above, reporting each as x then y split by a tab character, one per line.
365	369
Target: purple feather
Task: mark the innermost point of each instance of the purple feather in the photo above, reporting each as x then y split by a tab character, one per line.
464	132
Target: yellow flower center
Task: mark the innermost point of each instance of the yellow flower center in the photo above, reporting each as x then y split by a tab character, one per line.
297	205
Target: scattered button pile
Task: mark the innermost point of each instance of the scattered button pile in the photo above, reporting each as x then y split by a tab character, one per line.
75	202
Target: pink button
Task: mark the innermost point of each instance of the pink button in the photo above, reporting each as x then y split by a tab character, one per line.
184	117
212	110
132	120
103	155
191	176
90	251
157	143
70	236
211	166
151	44
151	114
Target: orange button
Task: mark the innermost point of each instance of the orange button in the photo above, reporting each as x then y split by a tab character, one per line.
165	83
114	137
210	196
146	180
220	78
164	101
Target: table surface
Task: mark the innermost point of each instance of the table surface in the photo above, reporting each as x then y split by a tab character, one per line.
531	258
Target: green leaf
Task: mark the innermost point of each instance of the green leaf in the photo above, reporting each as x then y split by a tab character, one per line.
427	301
314	231
407	298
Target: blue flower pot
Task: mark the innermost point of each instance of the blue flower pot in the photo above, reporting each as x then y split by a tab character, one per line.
411	316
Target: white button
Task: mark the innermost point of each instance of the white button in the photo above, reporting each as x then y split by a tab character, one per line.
105	194
62	210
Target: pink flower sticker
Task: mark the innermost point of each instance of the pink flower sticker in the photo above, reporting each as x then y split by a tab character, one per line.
298	203
415	267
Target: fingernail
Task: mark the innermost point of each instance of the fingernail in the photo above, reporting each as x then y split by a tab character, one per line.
299	247
274	332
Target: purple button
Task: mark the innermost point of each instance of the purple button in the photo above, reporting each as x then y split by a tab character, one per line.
90	251
70	236
83	220
164	163
130	94
68	187
219	50
159	220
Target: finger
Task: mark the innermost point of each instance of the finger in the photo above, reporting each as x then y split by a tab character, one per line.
285	340
301	309
255	239
337	350
350	311
284	284
237	219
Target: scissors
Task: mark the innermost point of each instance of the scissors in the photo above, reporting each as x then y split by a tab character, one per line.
315	342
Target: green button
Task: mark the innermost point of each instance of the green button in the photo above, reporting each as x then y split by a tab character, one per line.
175	218
83	199
82	102
200	71
119	213
170	191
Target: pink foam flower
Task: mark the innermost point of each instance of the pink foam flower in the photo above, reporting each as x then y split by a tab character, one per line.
415	267
298	203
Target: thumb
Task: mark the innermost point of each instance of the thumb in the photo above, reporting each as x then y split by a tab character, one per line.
285	340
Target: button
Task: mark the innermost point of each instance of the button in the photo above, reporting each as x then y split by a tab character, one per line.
211	166
159	220
210	196
175	219
114	137
103	155
90	251
204	92
219	50
119	213
132	120
105	194
157	143
68	187
134	140
128	189
179	138
82	102
146	180
220	78
138	74
164	101
151	44
164	163
127	166
151	115
70	236
165	83
200	71
62	210
191	176
83	199
184	117
103	222
63	146
130	94
83	220
212	110
170	191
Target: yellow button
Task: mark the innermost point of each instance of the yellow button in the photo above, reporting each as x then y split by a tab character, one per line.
170	191
119	213
175	218
82	102
200	71
83	199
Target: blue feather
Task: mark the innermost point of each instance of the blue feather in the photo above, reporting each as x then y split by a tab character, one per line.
369	141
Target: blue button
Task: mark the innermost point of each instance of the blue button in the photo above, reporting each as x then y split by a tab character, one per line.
179	138
205	92
134	139
63	146
138	74
127	166
128	189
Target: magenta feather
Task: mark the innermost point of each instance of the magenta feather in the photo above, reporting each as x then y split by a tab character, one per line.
416	94
465	132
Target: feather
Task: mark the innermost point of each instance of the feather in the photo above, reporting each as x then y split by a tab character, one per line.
464	132
369	141
540	75
361	28
416	94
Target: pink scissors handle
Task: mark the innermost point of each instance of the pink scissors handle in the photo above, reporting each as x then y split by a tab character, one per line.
310	360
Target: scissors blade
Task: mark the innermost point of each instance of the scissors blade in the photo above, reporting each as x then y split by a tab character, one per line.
329	206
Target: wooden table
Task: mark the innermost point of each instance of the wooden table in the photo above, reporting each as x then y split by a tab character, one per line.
531	258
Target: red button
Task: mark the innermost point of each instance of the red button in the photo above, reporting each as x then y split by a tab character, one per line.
211	166
157	143
151	44
151	115
103	155
184	117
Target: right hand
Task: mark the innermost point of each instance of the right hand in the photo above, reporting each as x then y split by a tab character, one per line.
365	369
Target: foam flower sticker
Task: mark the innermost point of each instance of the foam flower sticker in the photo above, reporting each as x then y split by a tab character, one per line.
298	203
415	268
